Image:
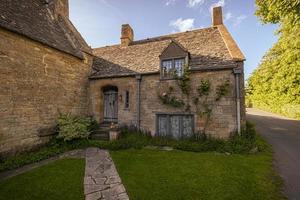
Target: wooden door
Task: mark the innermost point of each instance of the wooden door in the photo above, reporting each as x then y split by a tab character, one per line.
111	106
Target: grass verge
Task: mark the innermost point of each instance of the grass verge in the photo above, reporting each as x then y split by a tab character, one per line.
61	179
172	175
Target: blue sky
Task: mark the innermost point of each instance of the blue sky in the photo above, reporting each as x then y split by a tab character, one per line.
99	22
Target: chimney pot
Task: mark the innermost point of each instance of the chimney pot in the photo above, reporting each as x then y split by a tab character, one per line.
217	17
127	35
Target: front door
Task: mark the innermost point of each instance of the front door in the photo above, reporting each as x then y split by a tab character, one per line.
111	106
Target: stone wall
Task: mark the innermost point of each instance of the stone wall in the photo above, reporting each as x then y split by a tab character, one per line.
223	120
223	115
36	83
126	116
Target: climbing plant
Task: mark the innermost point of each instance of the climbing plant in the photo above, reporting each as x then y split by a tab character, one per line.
184	82
203	104
168	99
222	90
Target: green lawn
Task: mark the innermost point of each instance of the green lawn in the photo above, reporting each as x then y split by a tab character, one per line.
155	175
60	180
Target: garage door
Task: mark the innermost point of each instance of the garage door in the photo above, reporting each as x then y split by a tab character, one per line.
174	125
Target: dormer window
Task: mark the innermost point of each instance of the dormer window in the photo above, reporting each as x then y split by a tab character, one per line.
172	68
172	60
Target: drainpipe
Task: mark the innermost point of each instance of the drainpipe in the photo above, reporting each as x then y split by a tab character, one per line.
237	72
138	103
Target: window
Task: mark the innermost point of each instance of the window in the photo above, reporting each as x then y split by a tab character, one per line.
175	125
172	67
127	99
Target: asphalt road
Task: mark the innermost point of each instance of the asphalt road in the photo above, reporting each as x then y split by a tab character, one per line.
284	135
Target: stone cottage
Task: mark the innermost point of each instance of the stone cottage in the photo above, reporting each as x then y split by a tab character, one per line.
136	82
46	68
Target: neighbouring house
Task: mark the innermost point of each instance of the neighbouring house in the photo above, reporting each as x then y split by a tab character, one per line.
44	68
177	84
137	83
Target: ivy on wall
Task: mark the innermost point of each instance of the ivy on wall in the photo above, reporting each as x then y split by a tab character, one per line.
203	104
168	99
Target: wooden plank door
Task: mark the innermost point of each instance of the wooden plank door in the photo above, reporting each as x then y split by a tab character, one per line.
111	106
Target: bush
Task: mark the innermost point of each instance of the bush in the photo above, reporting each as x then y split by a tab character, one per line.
94	125
246	142
74	127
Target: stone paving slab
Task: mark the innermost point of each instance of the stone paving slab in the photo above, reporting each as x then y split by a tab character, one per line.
102	181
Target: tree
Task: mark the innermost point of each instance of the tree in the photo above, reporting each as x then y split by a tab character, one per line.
275	84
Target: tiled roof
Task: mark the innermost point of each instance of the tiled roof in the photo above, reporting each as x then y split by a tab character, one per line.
207	47
35	19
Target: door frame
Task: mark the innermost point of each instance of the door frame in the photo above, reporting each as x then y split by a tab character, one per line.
110	92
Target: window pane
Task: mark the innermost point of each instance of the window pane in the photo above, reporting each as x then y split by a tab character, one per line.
179	64
167	68
127	99
162	125
175	126
187	126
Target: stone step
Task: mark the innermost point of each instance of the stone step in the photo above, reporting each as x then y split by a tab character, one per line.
99	136
101	131
105	124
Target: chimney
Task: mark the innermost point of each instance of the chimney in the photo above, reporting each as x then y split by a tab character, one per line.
126	35
61	7
217	18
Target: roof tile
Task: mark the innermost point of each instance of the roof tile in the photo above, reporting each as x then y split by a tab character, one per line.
35	20
206	47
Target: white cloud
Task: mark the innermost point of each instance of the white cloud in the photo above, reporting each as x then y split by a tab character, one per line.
217	4
239	20
183	24
227	16
170	2
193	3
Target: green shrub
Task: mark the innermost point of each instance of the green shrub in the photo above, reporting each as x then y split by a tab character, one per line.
94	125
73	127
246	142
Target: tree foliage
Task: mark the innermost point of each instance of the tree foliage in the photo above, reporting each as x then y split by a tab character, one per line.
275	84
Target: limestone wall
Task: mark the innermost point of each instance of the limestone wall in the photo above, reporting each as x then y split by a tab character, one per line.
223	115
126	116
223	120
36	83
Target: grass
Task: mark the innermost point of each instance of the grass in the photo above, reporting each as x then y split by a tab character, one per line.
62	179
155	174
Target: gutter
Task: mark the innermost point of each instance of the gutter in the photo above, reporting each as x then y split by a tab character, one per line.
193	69
138	102
237	72
121	75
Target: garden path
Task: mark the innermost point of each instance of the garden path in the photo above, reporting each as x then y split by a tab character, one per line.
101	179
